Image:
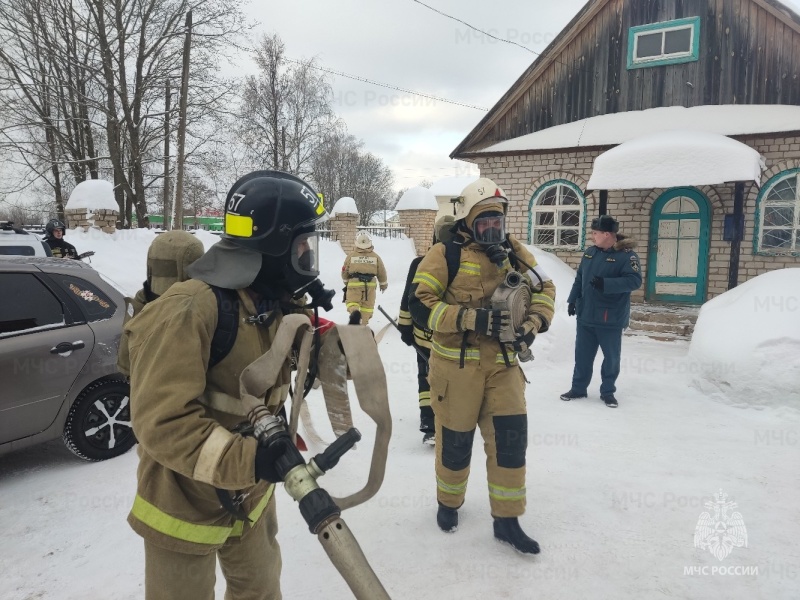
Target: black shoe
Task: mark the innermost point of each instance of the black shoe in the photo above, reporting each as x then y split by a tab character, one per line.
355	318
426	422
610	401
429	438
507	530
447	518
573	395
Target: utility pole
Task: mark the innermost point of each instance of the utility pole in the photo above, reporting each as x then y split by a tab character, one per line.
182	124
167	214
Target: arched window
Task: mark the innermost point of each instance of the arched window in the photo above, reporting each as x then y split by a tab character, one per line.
557	216
778	219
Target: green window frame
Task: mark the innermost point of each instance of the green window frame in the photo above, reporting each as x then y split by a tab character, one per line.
777	222
557	216
654	44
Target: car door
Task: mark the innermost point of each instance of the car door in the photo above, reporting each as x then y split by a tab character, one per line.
42	350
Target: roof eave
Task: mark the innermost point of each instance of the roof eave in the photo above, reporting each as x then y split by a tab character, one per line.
529	76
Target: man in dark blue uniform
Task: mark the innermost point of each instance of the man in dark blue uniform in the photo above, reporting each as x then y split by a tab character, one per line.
601	297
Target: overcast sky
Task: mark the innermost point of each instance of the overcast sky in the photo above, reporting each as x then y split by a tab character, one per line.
404	44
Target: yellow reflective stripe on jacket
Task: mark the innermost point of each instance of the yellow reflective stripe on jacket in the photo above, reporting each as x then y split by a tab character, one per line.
504	493
430	281
436	315
425	398
404	318
422	338
157	519
451	488
543	299
469	268
455	353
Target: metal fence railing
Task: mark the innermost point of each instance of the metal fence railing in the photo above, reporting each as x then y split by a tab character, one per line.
375	231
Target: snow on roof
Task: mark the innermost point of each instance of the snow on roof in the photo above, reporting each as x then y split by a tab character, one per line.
417	198
451	186
345	206
673	158
609	130
93	194
747	341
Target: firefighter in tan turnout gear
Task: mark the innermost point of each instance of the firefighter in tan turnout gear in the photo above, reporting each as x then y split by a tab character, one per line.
168	259
475	378
359	273
205	490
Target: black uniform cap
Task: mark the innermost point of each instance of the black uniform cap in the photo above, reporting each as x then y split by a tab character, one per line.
605	223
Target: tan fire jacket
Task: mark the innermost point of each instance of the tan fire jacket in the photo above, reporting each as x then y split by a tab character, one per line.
473	287
365	262
182	416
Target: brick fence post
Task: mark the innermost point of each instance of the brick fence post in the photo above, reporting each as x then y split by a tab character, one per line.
416	210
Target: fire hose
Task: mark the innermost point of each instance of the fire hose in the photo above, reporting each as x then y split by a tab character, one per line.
322	512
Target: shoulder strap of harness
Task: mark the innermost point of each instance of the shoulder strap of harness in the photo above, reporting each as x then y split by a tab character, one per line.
227	324
452	254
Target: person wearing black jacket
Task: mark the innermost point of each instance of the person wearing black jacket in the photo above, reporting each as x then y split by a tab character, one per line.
55	239
419	337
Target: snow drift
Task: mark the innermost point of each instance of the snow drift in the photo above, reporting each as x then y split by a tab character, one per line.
746	343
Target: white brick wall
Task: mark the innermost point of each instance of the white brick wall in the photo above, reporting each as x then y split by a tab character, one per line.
520	176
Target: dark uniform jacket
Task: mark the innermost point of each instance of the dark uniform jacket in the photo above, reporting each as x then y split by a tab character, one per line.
60	248
619	268
422	335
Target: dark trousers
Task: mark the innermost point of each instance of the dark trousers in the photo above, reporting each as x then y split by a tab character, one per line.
587	340
424	389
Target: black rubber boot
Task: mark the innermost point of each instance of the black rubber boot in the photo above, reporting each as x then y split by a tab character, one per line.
429	438
507	529
447	518
355	318
572	395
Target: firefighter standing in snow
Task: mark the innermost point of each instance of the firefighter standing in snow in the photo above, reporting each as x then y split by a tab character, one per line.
360	269
419	337
185	397
60	247
168	259
475	379
601	297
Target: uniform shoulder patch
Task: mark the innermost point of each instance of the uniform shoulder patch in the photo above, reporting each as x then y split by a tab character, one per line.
634	262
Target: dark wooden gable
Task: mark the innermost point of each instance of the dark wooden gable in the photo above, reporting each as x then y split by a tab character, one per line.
749	54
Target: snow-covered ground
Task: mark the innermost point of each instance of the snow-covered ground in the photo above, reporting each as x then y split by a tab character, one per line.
614	496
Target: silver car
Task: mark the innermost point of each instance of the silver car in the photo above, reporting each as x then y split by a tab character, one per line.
60	324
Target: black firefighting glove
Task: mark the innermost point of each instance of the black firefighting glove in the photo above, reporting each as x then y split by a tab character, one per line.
524	340
406	334
597	283
571	309
486	321
267	456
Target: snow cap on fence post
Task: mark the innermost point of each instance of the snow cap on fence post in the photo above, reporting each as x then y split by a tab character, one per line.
343	223
417	210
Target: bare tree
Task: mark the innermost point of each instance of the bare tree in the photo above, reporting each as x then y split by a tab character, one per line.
286	110
341	168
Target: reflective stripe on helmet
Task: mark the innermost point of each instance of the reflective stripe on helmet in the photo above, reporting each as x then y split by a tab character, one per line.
239	225
157	519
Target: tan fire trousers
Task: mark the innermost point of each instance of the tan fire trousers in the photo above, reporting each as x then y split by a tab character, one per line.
361	296
491	396
251	566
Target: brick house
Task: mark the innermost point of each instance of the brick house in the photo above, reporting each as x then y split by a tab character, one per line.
681	119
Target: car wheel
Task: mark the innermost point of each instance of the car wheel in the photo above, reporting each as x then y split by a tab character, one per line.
99	422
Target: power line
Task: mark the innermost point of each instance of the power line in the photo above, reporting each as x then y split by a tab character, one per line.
486	33
499	39
388	86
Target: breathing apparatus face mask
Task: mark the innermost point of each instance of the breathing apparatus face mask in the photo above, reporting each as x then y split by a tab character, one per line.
296	277
488	229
